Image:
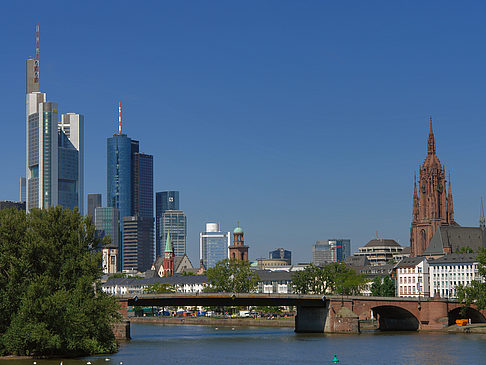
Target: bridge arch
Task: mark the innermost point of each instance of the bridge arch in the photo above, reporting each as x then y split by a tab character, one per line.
394	318
470	313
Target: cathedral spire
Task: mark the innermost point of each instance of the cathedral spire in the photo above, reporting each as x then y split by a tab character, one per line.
450	205
482	220
431	142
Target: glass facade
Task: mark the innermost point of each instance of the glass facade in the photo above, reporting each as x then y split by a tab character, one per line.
213	245
94	201
119	176
175	222
280	253
164	200
143	185
108	221
138	239
333	250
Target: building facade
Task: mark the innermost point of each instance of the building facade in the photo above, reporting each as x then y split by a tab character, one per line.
213	245
282	254
94	201
238	250
432	204
22	193
107	220
138	248
175	223
164	200
449	271
381	251
412	275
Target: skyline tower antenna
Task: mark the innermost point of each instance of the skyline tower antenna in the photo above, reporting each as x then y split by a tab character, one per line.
36	62
119	117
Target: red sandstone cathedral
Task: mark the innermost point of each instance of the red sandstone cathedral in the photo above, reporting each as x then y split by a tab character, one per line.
432	205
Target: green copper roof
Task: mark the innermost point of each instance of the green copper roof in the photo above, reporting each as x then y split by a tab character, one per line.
238	230
168	244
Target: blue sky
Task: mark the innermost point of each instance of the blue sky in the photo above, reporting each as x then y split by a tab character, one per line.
304	120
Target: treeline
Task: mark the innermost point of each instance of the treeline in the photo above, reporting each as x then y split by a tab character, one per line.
51	301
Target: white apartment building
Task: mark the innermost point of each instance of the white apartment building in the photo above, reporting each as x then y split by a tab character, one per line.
451	270
413	277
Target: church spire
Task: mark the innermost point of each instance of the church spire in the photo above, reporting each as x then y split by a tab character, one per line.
450	205
482	220
431	142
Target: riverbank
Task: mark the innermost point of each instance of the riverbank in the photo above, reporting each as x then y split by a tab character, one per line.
470	328
210	321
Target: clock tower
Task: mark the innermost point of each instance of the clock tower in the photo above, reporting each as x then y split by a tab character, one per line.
432	203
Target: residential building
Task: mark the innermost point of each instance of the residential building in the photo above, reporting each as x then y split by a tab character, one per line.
133	286
238	250
138	248
412	275
175	222
381	251
164	200
213	245
449	271
281	253
274	282
433	205
94	201
54	149
22	193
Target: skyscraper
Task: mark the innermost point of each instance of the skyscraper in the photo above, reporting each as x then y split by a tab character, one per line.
94	201
213	245
22	194
130	190
175	222
165	200
54	149
333	250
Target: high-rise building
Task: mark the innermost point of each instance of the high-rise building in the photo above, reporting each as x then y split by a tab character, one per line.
138	243
94	201
164	200
282	254
130	190
175	222
22	195
107	223
433	205
54	149
333	250
213	245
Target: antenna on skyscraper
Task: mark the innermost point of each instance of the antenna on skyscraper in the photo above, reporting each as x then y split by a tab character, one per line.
119	117
36	63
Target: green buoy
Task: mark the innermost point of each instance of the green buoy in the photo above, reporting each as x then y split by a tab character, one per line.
335	360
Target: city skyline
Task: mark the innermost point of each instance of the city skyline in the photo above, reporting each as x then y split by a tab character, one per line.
320	128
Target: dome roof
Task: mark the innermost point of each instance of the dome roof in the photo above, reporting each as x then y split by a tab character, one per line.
238	230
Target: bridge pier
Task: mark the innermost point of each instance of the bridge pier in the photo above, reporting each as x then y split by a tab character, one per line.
310	319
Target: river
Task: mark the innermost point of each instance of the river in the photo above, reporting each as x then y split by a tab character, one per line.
187	344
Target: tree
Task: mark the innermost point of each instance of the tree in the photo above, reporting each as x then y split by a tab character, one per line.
383	287
231	276
51	301
334	278
465	249
475	293
159	288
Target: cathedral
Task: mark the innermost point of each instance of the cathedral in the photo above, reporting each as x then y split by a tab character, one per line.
432	202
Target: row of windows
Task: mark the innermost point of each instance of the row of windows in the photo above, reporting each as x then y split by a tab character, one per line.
410	270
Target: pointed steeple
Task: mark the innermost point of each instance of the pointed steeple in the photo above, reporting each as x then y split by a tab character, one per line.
168	244
431	142
482	220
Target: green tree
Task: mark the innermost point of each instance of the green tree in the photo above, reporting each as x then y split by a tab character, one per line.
465	249
159	288
51	301
475	293
232	276
383	287
334	278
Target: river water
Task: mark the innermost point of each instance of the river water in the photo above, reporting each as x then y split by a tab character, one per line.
187	344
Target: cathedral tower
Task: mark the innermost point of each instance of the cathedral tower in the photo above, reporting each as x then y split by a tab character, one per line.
432	205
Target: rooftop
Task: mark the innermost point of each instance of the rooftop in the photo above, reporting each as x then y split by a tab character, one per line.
382	243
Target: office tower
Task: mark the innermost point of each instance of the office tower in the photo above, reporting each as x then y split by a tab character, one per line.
22	195
281	254
165	200
107	223
333	250
138	247
130	190
213	245
54	149
94	201
175	222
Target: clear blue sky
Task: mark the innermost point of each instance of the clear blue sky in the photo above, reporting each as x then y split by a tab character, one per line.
304	120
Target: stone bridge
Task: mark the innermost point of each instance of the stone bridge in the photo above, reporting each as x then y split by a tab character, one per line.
333	314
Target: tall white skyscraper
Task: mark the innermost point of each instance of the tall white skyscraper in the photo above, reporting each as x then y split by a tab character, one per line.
54	149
